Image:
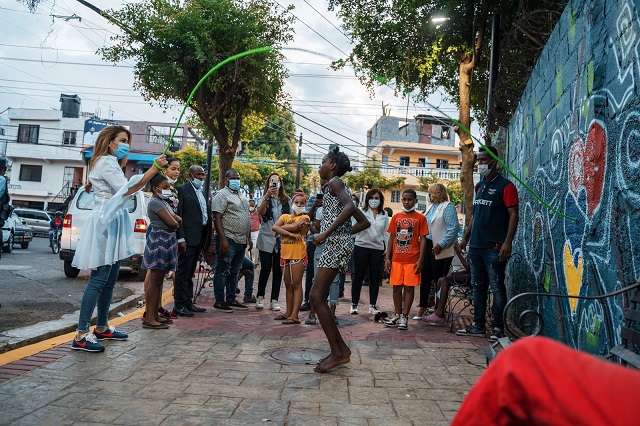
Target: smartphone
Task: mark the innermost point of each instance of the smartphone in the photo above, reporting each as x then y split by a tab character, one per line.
319	196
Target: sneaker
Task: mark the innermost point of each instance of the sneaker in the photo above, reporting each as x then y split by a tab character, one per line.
304	307
249	299
311	320
354	309
165	313
433	319
274	305
374	309
496	334
223	307
403	324
393	321
474	330
260	303
110	334
235	305
88	343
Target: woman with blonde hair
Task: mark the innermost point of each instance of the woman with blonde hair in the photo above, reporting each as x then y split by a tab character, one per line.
442	219
106	235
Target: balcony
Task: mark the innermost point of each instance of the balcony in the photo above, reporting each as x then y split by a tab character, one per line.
423	172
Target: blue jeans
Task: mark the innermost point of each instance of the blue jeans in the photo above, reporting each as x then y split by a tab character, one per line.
247	270
334	289
98	291
227	269
485	263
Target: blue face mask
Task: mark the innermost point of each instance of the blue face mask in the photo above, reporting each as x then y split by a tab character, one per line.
121	151
197	183
234	184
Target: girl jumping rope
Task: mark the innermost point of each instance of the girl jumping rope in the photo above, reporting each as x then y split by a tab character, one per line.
293	256
161	251
336	230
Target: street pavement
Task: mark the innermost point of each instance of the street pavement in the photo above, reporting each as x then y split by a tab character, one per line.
244	368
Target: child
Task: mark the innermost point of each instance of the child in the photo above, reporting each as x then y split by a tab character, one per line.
256	221
408	245
293	255
161	251
336	230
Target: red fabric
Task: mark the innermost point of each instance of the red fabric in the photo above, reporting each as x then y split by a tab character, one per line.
537	381
57	222
406	228
256	220
510	195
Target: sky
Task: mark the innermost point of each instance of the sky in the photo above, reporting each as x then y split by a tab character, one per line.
43	56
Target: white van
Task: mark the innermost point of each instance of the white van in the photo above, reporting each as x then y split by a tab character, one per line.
77	214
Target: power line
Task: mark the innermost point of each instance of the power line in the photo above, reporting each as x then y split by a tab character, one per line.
331	23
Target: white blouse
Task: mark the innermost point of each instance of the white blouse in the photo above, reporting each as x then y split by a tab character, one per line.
376	236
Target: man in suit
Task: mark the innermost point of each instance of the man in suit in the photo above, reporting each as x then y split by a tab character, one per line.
193	234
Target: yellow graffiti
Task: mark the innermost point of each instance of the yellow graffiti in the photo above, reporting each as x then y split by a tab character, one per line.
572	275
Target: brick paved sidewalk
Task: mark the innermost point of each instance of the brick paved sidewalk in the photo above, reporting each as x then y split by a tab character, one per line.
217	368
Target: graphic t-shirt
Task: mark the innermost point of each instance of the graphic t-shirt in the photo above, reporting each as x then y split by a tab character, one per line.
293	248
407	228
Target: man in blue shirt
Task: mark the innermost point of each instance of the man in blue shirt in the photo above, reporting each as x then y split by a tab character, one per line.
3	180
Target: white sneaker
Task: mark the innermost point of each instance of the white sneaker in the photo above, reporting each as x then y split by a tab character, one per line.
403	323
260	303
354	309
373	309
393	321
274	305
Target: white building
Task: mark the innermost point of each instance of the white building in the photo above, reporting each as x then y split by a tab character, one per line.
45	150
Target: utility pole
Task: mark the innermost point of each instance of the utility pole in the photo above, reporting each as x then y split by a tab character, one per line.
207	179
299	162
494	64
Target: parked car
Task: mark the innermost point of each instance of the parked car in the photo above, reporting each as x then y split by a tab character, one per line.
8	232
78	213
23	234
38	220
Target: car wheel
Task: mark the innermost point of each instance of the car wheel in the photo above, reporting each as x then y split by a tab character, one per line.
69	270
9	246
24	246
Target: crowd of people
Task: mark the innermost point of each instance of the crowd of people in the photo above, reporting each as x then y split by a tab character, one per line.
277	231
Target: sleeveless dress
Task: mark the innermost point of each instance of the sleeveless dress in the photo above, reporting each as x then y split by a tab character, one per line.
338	247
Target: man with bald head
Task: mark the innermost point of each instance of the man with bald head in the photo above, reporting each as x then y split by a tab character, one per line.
193	234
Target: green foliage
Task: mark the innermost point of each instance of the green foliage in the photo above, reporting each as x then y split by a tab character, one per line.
371	177
188	157
176	42
454	187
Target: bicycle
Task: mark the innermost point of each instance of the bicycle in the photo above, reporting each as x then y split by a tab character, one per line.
55	242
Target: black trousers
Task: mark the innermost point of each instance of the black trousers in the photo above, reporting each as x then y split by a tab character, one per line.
183	281
270	262
371	261
311	250
432	270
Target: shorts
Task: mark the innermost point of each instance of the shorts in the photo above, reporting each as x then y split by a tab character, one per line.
459	278
285	262
402	274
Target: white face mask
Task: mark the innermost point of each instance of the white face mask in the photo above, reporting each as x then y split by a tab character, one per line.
484	170
428	199
172	181
297	210
409	210
165	193
374	204
251	208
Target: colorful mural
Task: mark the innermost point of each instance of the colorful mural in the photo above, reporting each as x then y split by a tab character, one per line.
575	139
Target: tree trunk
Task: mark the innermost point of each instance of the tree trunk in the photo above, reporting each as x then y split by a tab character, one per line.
225	162
466	142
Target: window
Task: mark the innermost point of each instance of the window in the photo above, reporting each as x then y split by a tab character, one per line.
395	196
442	164
445	132
404	161
28	133
30	173
385	159
421	162
86	201
69	138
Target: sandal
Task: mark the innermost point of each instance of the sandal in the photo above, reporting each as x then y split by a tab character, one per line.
291	321
280	318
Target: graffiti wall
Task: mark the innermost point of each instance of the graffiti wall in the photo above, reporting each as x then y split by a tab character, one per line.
575	140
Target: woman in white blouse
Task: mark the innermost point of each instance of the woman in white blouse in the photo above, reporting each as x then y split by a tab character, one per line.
368	254
106	235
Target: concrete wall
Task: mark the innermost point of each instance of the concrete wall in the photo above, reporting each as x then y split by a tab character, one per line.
575	140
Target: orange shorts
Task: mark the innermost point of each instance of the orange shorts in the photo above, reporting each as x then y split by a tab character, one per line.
402	274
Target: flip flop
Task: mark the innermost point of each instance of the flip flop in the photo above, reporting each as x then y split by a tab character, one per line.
280	318
291	321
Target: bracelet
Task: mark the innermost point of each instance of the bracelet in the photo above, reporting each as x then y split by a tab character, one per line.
157	166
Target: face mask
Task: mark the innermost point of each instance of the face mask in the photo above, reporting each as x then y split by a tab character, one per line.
165	194
298	210
251	209
428	199
197	183
374	204
234	184
484	170
409	210
172	181
121	151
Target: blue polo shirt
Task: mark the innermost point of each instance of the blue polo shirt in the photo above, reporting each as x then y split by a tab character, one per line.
490	211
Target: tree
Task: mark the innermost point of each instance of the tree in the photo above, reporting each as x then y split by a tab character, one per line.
188	156
396	41
176	42
454	187
371	177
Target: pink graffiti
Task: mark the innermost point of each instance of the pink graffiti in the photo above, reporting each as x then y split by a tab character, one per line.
594	165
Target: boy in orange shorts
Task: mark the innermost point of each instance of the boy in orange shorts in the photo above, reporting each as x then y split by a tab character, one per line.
407	245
